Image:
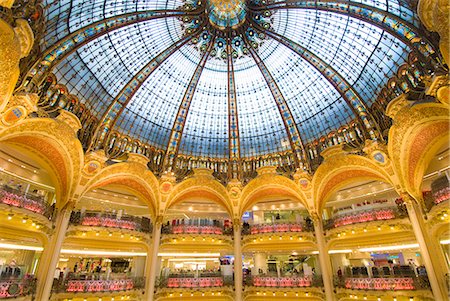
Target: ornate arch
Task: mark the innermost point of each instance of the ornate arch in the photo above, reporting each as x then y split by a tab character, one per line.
54	145
419	131
268	186
339	170
200	186
134	177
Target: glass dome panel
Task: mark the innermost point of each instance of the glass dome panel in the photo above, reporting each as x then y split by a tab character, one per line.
158	100
363	54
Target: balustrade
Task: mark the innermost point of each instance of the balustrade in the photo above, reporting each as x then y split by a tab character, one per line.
195	282
113	285
280	227
441	195
288	281
203	226
16	198
188	229
99	219
383	284
366	216
17	287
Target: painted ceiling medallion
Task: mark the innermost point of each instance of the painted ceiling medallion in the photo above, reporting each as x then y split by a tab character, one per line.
230	23
225	14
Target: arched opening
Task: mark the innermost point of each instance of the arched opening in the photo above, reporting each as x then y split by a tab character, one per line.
196	245
27	203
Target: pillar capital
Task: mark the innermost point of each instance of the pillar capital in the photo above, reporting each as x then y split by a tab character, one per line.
408	199
159	220
316	217
236	223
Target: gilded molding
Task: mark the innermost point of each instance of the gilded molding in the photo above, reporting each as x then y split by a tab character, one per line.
416	133
203	185
339	169
53	142
132	175
268	185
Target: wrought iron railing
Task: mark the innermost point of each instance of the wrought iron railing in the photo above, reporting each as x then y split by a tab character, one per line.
196	229
383	284
190	281
286	281
15	197
17	287
364	216
99	285
110	220
277	227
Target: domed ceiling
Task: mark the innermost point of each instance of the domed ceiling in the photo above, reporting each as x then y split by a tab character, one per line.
227	78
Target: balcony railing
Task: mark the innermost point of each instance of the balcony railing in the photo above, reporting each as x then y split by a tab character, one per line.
100	219
185	281
441	195
14	197
194	229
383	284
16	288
90	286
381	214
279	227
287	281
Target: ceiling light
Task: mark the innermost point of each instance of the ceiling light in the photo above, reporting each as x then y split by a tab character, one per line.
389	248
101	252
20	247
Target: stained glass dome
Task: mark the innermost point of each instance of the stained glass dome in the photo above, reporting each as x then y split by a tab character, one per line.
228	78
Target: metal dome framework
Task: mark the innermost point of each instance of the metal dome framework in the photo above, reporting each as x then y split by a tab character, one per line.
160	78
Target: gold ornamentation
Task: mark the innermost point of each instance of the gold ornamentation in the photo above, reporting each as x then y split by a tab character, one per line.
70	119
55	144
133	176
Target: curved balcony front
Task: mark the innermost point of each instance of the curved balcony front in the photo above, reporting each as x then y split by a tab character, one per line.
280	235
286	281
14	288
26	207
395	283
197	235
366	216
190	281
197	230
208	286
111	226
84	286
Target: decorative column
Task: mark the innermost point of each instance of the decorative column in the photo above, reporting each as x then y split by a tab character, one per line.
152	260
324	259
431	253
50	255
237	259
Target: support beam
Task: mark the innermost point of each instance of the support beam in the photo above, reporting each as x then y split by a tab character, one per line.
285	113
351	97
122	99
64	47
237	259
431	252
234	144
396	26
324	259
152	260
183	110
50	255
